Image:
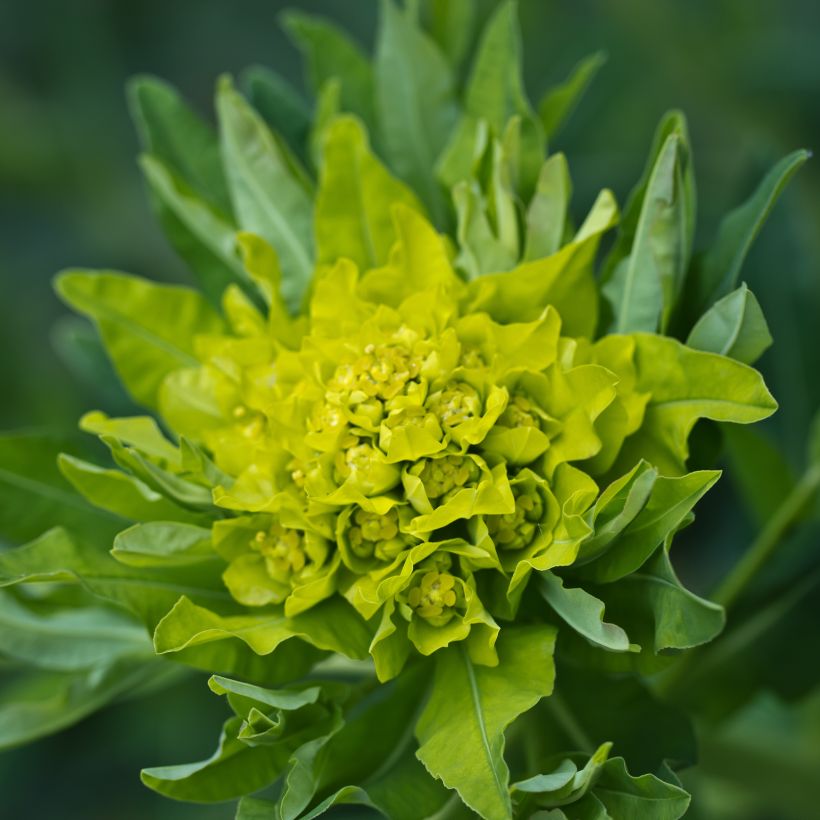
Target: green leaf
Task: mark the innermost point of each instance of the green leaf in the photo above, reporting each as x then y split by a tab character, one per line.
354	200
148	329
68	639
687	385
163	544
734	326
415	103
452	24
332	625
668	505
547	211
122	495
640	797
583	612
717	272
673	122
559	102
40	703
233	770
644	287
34	495
659	612
141	432
281	106
147	592
178	138
331	55
202	236
461	730
269	198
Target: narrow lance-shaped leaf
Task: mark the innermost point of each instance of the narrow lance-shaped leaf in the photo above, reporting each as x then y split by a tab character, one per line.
172	132
734	326
281	106
718	270
415	103
354	200
163	544
547	211
268	197
559	102
452	24
148	329
200	234
644	287
461	730
330	54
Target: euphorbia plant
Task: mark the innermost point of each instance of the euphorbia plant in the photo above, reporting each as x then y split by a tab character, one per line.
416	456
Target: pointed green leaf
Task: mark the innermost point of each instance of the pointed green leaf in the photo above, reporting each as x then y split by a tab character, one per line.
34	495
583	612
122	494
734	326
547	211
148	329
452	25
331	54
354	200
667	507
461	730
203	237
640	797
178	138
268	197
559	102
645	285
415	103
148	592
719	269
281	106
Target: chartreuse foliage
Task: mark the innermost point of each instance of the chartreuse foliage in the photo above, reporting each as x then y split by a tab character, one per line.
407	444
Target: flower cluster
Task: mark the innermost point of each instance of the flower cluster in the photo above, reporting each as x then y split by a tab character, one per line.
398	450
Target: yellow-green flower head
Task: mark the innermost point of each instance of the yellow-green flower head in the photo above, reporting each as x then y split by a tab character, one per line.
433	597
441	476
516	530
376	535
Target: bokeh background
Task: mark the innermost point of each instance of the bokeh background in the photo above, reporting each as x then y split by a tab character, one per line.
747	75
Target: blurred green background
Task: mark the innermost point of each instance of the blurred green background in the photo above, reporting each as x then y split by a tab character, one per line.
747	75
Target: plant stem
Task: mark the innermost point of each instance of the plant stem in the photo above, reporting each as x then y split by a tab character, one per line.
769	539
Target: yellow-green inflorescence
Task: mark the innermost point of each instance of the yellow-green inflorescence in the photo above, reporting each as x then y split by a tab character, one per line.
400	444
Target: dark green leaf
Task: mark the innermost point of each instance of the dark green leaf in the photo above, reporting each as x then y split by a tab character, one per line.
559	102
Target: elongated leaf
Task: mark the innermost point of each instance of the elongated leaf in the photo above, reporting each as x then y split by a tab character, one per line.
201	235
659	611
673	122
547	211
330	55
68	639
461	730
268	197
178	138
148	592
452	24
688	385
734	326
332	625
281	106
234	769
559	102
148	329
163	544
583	612
34	495
644	287
354	200
718	271
141	432
415	104
668	505
122	495
41	703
